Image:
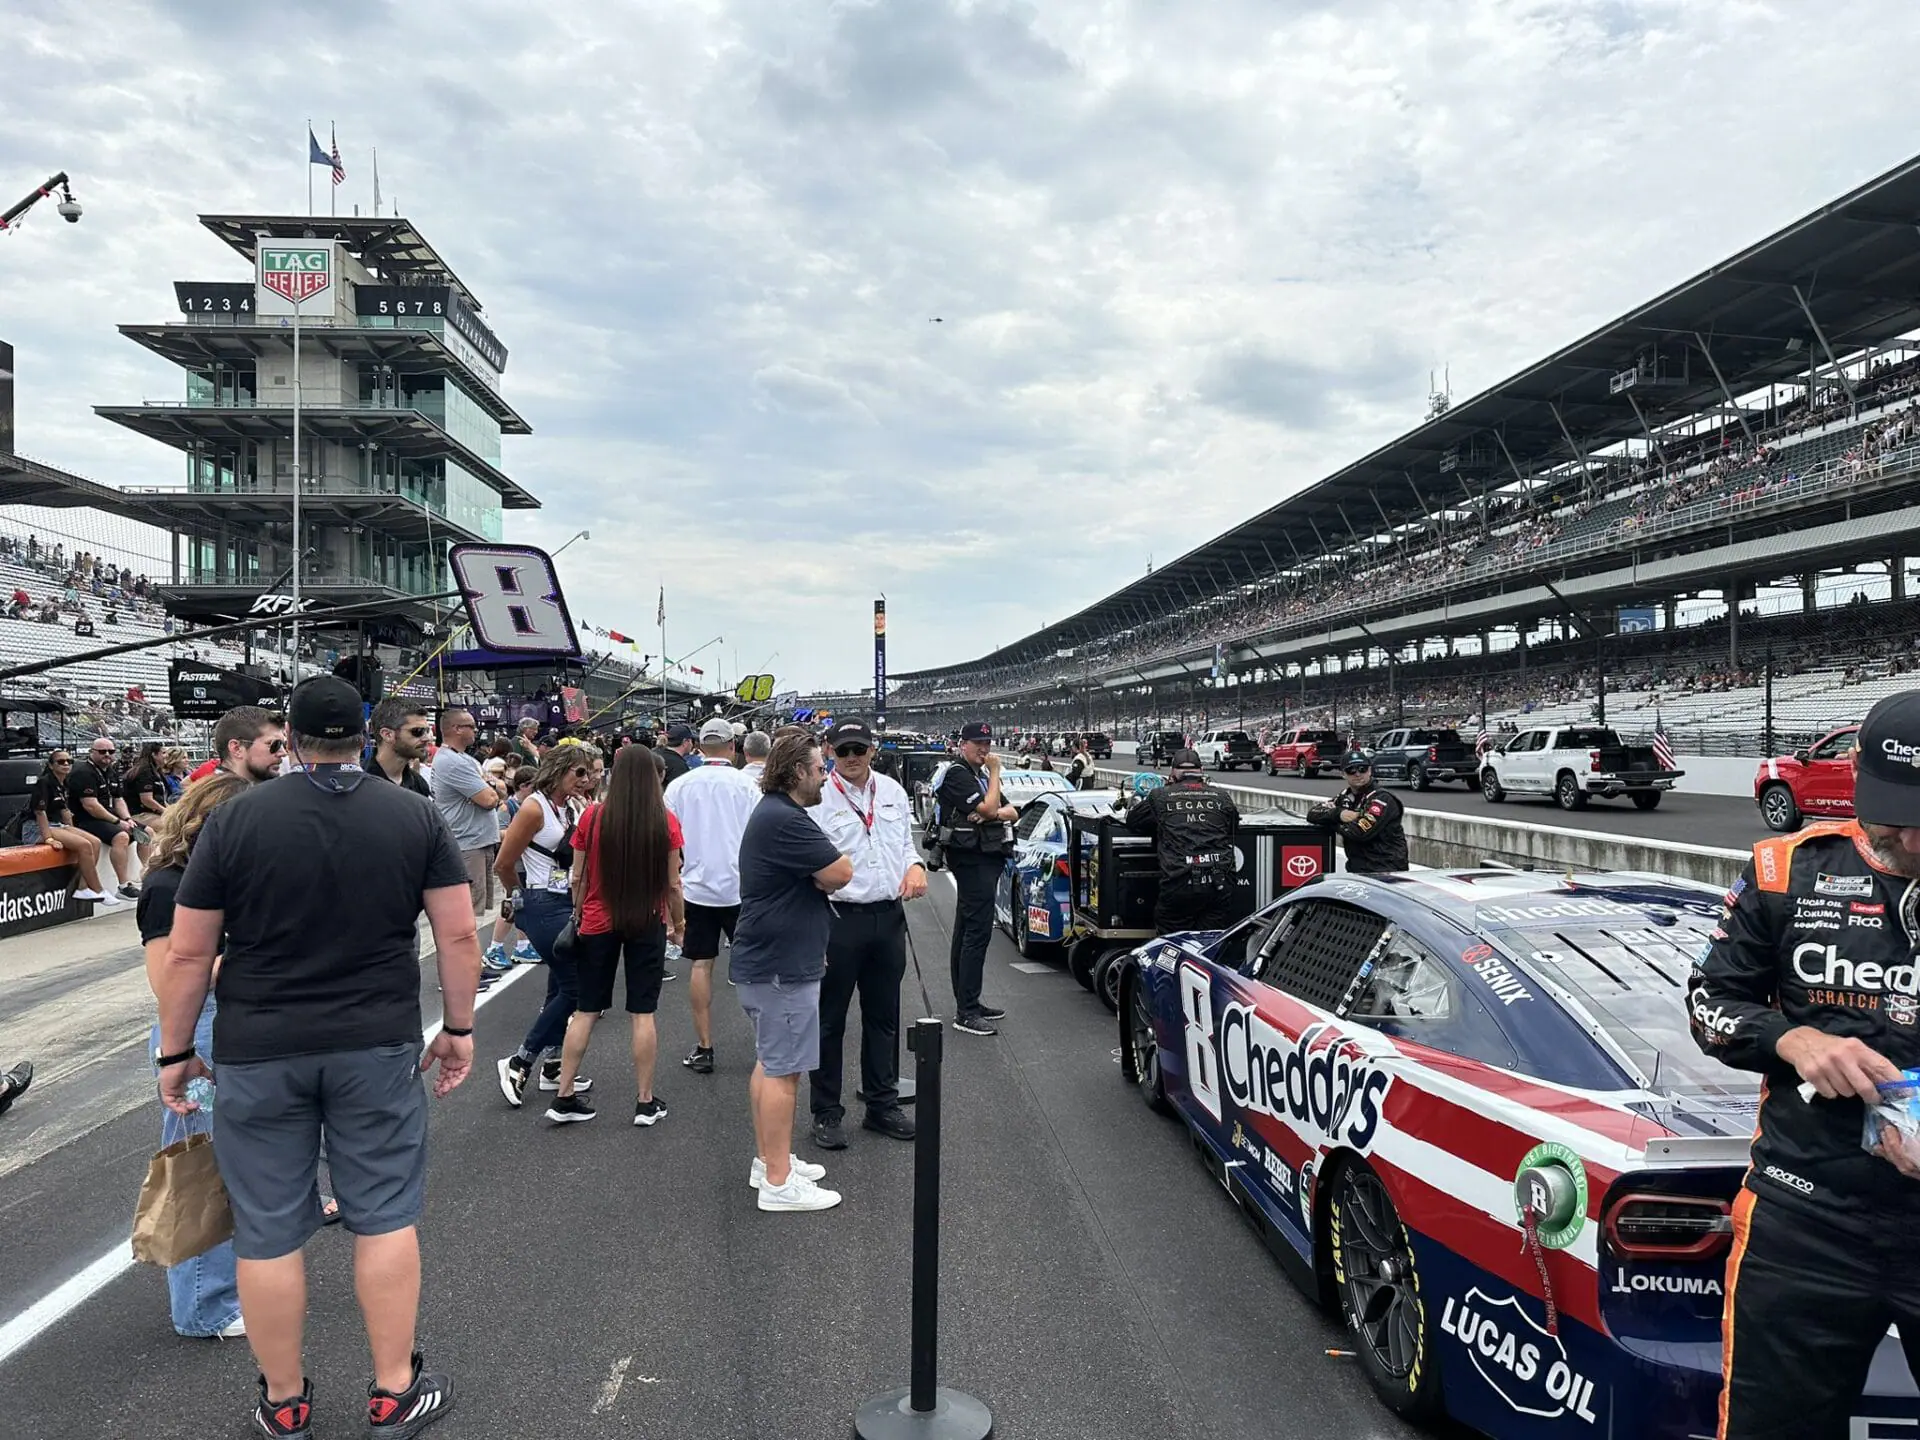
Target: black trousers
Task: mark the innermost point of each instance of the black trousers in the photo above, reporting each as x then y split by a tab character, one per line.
1809	1297
866	951
975	877
1193	907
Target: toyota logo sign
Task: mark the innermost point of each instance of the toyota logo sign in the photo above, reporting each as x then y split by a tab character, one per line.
1299	864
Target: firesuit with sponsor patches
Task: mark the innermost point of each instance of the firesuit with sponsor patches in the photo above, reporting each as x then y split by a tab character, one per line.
1376	837
1813	934
1193	826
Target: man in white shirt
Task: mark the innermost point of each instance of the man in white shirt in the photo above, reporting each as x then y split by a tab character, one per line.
712	803
870	821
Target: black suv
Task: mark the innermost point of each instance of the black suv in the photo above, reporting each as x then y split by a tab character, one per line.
1100	746
1159	746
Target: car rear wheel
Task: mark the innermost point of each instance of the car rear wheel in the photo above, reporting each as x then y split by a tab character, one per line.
1023	940
1417	776
1143	1042
1081	956
1567	793
1778	809
1491	790
1646	799
1300	769
1379	1285
1106	977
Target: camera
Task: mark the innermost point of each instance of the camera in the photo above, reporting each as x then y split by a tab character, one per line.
69	209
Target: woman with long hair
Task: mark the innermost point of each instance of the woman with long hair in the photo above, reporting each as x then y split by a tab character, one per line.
145	791
536	859
205	1298
49	821
626	903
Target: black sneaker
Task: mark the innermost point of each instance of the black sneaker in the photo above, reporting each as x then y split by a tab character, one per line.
827	1135
667	975
893	1122
701	1060
649	1112
284	1419
131	892
991	1012
975	1025
514	1073
426	1400
550	1079
566	1109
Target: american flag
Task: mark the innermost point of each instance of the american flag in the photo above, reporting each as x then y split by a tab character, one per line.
1480	745
339	170
1663	745
660	611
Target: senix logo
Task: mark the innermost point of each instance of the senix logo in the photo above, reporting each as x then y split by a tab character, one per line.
1900	752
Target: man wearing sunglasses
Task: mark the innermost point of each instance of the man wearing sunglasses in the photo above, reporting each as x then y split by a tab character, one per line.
1369	821
467	801
250	742
93	794
869	820
400	732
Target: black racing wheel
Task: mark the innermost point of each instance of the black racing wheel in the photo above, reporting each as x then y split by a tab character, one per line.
1142	1042
1379	1285
1081	956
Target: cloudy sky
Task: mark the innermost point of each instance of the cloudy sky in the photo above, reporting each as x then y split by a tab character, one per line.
979	305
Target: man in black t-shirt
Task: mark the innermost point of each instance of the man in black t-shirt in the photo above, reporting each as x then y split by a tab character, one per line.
679	745
93	794
318	1030
973	818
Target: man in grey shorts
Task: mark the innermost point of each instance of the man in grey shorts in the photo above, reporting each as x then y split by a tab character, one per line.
788	867
318	1030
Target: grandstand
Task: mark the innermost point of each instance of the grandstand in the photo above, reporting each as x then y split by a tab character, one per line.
1700	514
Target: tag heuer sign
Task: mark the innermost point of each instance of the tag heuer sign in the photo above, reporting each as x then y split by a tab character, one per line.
292	273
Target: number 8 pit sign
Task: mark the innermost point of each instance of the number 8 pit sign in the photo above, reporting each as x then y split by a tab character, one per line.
514	602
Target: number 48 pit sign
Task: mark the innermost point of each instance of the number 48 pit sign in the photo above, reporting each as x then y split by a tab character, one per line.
290	276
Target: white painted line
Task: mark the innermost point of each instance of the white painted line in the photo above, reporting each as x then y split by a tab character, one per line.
71	1294
1032	967
610	1387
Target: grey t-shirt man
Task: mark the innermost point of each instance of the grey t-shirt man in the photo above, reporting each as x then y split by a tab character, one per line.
457	777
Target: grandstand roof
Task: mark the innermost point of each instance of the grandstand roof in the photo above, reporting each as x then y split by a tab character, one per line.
387	245
1853	265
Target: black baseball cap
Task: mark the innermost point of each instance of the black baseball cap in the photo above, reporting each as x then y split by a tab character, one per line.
1355	760
327	708
679	734
1886	789
1184	760
850	732
975	730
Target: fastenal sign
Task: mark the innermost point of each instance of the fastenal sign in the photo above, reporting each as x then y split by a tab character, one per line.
289	274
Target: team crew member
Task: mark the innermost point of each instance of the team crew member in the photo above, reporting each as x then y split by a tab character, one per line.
318	1032
1368	820
867	817
712	804
788	868
1080	768
1192	825
247	740
1813	983
467	800
51	823
99	809
145	794
973	820
400	734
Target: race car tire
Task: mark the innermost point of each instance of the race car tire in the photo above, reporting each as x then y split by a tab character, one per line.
1106	977
1142	1043
1646	799
1081	956
1567	793
1779	809
1378	1282
1017	919
1417	776
1491	790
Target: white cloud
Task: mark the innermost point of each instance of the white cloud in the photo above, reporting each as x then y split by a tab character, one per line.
977	304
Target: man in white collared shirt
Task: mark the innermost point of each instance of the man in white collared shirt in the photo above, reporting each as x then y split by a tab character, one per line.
869	820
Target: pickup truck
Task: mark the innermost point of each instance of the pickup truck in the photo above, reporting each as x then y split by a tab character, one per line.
1159	746
1305	752
1420	757
1572	764
1816	781
1228	750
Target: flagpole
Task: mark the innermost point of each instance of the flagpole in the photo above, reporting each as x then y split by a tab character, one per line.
333	190
294	669
663	657
376	182
309	167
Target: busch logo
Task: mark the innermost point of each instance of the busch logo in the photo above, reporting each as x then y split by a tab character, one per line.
1900	752
1824	966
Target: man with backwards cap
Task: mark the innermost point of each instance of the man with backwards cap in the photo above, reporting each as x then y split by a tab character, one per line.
1812	979
1192	825
973	818
1369	821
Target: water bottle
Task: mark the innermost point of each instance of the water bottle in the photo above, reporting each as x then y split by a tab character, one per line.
200	1091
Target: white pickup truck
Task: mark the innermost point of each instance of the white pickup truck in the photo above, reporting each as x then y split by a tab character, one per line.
1572	764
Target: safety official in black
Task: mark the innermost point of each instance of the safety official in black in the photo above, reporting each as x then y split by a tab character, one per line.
1193	826
1368	820
1812	979
974	822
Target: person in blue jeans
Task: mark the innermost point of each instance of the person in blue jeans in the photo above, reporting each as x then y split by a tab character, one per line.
204	1297
536	852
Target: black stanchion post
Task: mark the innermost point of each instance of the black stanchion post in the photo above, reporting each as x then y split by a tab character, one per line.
925	1410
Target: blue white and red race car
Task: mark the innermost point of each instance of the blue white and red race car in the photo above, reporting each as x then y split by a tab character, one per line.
1034	903
1464	1107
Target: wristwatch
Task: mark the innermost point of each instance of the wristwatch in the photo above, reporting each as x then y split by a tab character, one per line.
163	1061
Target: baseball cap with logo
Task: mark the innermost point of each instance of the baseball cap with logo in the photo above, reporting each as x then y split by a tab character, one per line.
975	730
716	732
850	732
1355	760
327	708
1887	787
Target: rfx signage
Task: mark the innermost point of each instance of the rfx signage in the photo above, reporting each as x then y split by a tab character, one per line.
276	605
289	275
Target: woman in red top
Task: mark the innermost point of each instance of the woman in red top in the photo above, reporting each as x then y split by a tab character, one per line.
626	901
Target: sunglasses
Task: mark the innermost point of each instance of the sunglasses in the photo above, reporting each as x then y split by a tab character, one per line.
1358	769
274	746
581	771
60	762
846	751
419	732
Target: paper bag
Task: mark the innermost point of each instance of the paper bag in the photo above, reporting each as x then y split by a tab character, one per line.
183	1210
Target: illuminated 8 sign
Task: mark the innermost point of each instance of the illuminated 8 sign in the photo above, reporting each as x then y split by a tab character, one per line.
513	599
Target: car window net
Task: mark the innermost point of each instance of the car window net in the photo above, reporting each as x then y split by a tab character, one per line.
1319	953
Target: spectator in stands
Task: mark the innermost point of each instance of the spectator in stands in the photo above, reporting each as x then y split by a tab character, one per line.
93	794
22	602
50	612
49	821
249	741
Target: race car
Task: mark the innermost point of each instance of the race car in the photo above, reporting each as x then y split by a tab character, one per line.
1034	904
1816	782
1464	1108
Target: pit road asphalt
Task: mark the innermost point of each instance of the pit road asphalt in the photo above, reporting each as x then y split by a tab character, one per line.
601	1280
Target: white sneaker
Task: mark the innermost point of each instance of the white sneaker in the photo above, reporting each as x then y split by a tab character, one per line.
757	1176
113	897
799	1193
93	895
236	1331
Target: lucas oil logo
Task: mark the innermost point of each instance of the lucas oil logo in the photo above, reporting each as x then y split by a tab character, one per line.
1320	1082
1525	1364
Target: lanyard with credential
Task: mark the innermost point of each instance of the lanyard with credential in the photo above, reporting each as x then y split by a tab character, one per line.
873	803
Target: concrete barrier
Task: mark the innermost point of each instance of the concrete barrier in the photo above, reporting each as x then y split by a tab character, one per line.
1443	838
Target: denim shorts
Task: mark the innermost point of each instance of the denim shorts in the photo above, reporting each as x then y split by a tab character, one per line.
267	1123
786	1024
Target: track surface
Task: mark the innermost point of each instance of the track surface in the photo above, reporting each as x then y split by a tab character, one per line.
1095	1280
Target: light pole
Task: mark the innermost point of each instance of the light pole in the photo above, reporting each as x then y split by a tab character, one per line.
579	535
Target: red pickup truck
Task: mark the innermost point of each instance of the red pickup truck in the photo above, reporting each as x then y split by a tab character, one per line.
1815	783
1305	752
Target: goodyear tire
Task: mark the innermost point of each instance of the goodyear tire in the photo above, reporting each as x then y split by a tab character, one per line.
1779	810
1106	977
1378	1283
1081	956
1491	790
1143	1047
